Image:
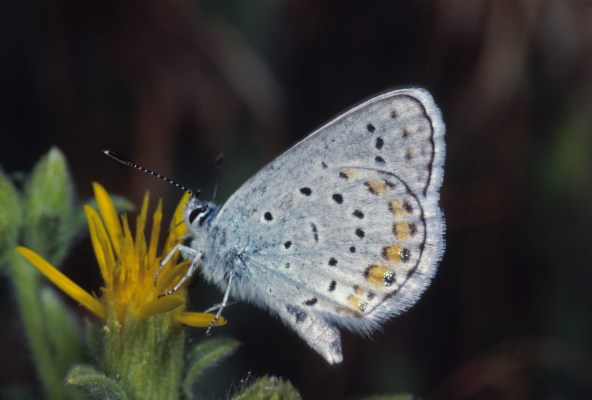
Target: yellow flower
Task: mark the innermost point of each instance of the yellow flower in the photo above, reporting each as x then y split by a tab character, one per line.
128	264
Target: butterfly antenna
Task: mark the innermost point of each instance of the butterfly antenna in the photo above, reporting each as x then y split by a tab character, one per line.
125	161
218	164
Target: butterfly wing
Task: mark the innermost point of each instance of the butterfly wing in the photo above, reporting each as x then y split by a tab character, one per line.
344	228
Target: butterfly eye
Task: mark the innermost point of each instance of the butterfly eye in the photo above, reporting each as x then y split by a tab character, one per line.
193	214
200	213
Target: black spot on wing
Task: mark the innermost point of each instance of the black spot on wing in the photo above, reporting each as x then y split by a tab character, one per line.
315	232
379	143
405	254
332	286
407	207
297	312
311	302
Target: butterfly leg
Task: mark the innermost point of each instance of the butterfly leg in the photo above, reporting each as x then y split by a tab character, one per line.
224	303
217	306
187	253
315	330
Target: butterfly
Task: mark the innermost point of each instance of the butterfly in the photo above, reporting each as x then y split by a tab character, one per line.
343	230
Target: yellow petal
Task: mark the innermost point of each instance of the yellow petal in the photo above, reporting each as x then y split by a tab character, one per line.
63	282
101	244
131	272
109	215
169	275
155	232
177	228
140	240
159	306
199	320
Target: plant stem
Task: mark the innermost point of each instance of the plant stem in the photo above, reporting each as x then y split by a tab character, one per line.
145	356
26	284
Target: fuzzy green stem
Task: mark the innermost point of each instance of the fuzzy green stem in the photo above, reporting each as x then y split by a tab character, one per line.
26	285
145	356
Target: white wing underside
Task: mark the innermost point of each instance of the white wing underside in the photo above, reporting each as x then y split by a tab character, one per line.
345	227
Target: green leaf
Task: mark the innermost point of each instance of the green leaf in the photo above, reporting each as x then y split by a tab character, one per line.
206	355
62	331
94	340
49	208
94	383
26	288
10	215
269	388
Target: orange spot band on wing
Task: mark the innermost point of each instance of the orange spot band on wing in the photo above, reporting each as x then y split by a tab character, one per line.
378	186
375	274
396	207
401	231
392	253
356	304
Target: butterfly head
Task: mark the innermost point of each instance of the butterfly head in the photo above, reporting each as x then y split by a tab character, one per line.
198	213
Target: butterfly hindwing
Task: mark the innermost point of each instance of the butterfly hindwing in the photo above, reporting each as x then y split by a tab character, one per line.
346	251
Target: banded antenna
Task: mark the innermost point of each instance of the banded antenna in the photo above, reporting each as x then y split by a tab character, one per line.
125	161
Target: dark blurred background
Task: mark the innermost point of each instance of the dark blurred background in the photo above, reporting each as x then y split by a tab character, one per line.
173	84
